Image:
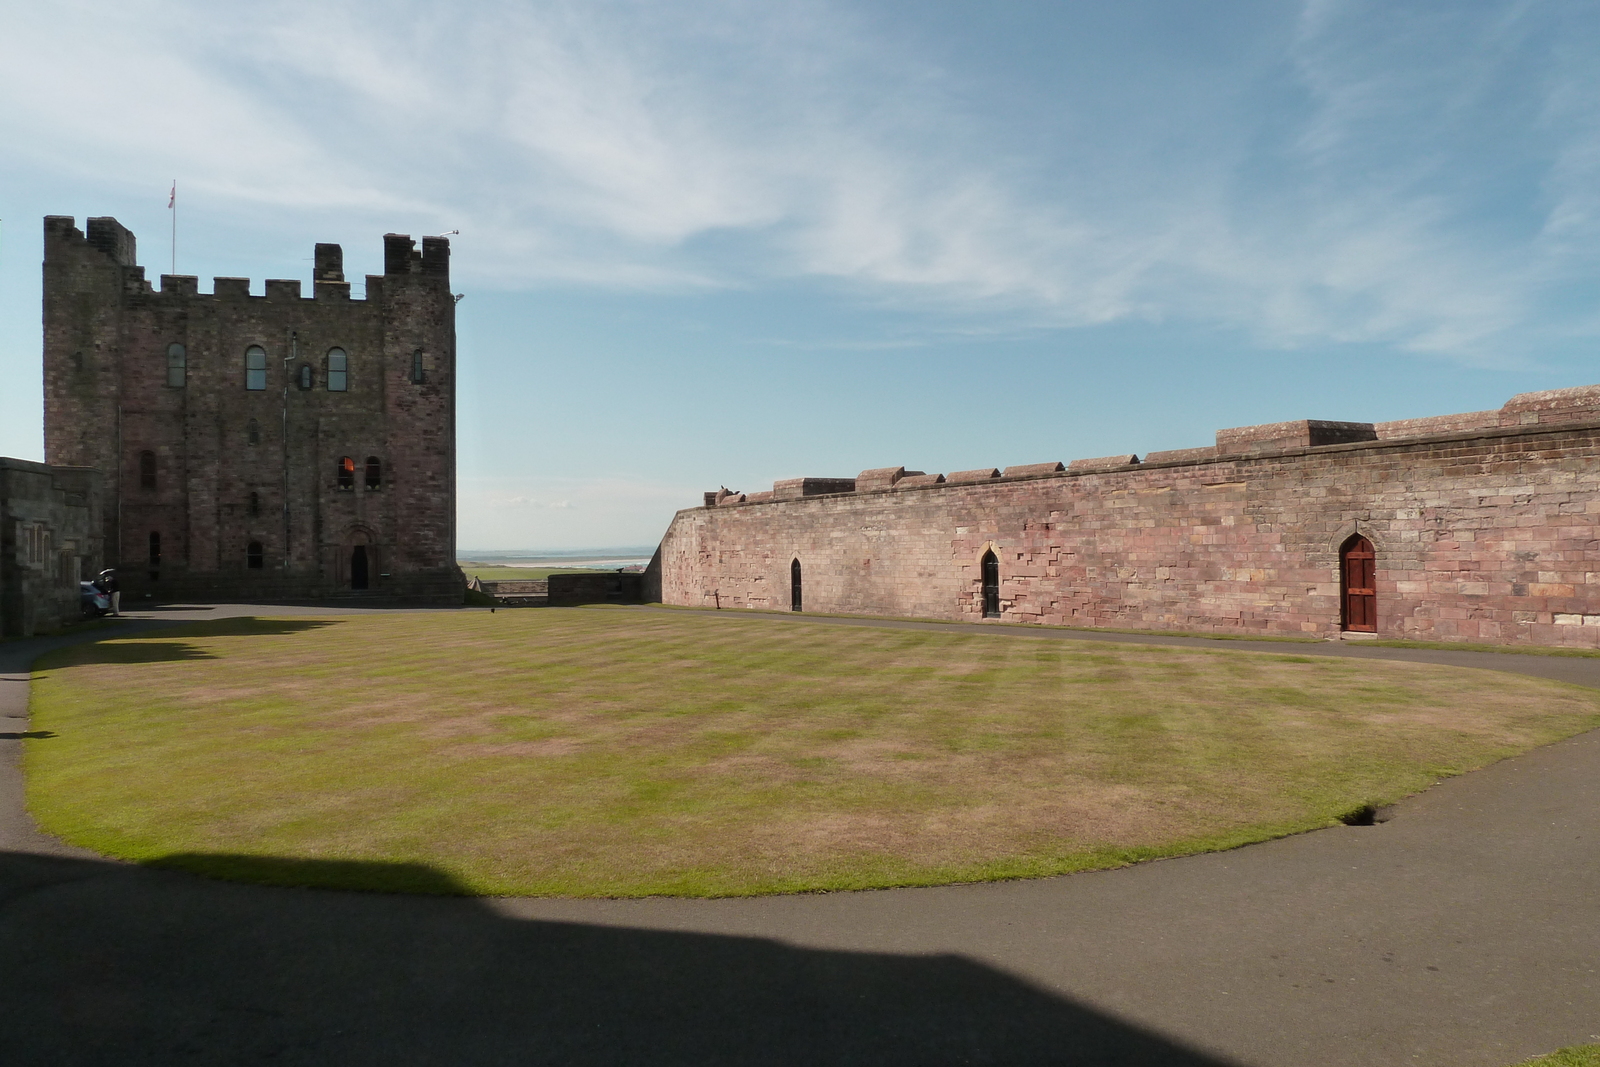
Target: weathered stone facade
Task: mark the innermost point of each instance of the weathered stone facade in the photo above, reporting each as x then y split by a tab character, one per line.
49	541
1484	528
258	447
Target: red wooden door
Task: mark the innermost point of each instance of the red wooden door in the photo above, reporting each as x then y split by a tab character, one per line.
1358	567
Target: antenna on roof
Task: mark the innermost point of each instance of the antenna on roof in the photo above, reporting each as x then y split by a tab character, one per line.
172	206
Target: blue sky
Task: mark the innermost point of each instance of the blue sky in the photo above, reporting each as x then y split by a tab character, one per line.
719	243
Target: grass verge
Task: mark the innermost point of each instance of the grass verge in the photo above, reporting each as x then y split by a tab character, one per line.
593	752
1574	1056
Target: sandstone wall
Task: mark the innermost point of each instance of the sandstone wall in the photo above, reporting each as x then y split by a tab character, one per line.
1483	533
49	541
237	466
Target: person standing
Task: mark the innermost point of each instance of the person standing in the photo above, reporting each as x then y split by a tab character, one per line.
107	584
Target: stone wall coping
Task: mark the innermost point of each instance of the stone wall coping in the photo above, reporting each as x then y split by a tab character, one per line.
1100	463
1028	470
1041	471
1578	396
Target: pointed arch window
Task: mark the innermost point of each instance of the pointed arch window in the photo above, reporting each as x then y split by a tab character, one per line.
991	585
177	365
338	371
347	473
147	469
794	586
1358	567
255	368
374	473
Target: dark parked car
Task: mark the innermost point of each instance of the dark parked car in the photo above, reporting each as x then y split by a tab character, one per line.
92	601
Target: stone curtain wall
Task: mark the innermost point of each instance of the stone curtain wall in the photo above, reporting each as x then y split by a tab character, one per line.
1482	534
108	399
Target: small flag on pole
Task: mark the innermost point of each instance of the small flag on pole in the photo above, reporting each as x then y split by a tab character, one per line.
172	198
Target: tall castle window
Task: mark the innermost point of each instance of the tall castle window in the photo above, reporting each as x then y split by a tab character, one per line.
418	372
147	469
305	376
255	503
177	365
155	548
338	371
374	473
794	586
347	473
253	555
253	434
991	585
255	368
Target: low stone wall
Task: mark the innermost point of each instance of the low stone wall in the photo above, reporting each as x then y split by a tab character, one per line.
568	590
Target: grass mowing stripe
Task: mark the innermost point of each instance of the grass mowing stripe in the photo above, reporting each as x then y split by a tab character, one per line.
591	752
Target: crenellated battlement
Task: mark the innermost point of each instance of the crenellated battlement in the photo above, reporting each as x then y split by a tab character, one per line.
108	243
1550	407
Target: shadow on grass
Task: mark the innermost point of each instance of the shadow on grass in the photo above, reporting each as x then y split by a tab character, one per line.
126	964
165	644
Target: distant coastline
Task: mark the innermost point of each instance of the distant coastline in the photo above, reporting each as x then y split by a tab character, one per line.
627	557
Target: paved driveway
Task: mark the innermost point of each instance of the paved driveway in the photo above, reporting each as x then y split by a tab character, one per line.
1466	931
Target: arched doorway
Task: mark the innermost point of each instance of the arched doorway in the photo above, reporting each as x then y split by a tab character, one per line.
991	585
1358	567
794	586
358	567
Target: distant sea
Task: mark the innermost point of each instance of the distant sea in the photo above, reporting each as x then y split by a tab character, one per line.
599	558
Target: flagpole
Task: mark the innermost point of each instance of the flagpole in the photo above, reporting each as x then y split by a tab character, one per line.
172	206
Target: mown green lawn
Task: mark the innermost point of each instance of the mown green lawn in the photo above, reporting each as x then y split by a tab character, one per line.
614	752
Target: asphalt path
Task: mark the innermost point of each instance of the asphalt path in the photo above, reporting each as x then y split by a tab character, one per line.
1464	931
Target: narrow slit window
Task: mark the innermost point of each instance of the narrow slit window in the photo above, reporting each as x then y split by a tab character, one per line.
347	473
374	473
147	470
177	365
306	376
253	435
419	374
338	371
255	368
155	548
794	586
253	555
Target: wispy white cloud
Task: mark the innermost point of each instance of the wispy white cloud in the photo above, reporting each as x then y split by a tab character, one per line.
1353	195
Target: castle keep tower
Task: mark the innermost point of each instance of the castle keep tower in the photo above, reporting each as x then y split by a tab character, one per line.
270	447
